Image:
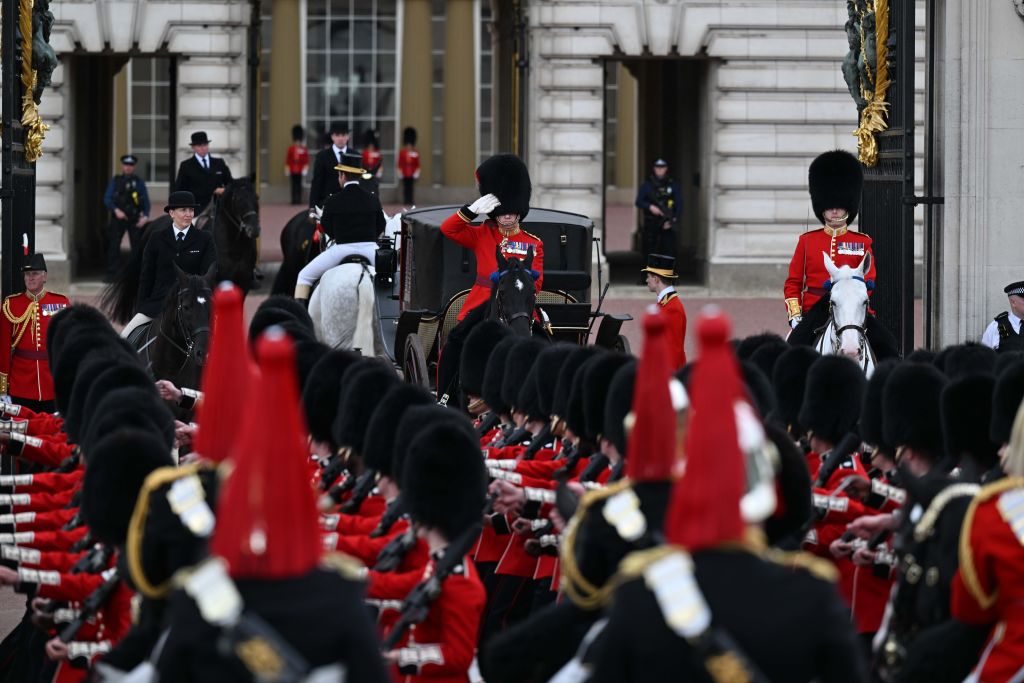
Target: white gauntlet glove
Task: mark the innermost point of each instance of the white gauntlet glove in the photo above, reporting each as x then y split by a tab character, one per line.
795	321
485	204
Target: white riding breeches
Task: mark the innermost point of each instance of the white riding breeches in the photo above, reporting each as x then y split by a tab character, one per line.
139	319
333	256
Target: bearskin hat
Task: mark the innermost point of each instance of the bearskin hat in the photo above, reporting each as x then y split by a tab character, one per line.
789	379
967	359
549	364
1006	400
308	353
97	378
596	382
1006	359
480	342
575	410
494	376
74	319
966	417
75	351
794	489
297	133
285	312
521	358
618	404
444	482
128	406
363	388
321	392
759	389
379	443
911	408
746	347
507	178
564	380
871	431
415	420
409	136
767	355
832	398
526	397
921	356
118	466
835	179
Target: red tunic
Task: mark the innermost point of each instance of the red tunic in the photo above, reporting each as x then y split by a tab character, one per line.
297	159
408	162
24	369
482	240
807	273
371	160
672	308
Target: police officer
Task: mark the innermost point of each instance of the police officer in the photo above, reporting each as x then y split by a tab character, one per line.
201	174
1004	333
128	202
662	204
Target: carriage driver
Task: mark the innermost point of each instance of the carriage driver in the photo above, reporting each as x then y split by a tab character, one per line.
353	218
835	180
178	246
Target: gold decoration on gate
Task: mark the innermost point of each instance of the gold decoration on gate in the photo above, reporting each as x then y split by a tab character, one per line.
875	85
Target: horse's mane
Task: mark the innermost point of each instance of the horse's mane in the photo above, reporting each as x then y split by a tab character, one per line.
120	297
883	342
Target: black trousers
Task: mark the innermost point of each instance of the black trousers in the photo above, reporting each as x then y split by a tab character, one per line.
296	188
35	406
407	191
656	240
115	231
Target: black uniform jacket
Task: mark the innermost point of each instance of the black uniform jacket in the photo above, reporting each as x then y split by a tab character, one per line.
199	181
194	255
325	178
321	615
792	625
353	215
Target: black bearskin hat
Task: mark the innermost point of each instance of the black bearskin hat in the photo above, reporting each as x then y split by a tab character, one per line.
379	443
835	179
415	420
507	178
794	488
596	381
966	417
96	378
363	387
789	379
118	466
871	422
444	482
480	342
1006	400
128	406
521	358
921	356
832	398
967	359
911	408
575	409
746	347
74	320
321	392
308	353
564	381
76	350
767	355
1006	359
759	389
549	363
618	404
297	133
526	398
409	136
494	376
286	312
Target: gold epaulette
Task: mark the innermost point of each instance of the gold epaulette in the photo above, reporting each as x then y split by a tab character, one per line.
347	566
532	235
968	572
816	566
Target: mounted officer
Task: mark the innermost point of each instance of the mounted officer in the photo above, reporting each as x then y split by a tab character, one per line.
127	200
202	174
1004	333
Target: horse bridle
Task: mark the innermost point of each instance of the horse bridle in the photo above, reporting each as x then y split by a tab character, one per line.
189	337
837	333
499	304
240	221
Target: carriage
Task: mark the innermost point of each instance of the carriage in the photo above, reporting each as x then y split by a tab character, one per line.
436	274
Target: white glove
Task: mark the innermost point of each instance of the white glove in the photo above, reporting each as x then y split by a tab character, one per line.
485	204
795	321
5	398
316	213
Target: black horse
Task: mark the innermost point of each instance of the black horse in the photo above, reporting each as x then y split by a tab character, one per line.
236	225
173	345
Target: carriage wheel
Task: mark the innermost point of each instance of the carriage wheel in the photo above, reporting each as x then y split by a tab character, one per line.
621	344
414	362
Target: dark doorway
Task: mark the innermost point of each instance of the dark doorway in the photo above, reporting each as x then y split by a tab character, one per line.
660	112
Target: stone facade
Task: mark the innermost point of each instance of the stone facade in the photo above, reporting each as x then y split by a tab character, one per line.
776	98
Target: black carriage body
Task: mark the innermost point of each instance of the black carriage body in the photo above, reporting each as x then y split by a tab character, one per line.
435	269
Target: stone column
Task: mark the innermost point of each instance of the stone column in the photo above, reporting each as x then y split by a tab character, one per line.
459	101
285	88
417	80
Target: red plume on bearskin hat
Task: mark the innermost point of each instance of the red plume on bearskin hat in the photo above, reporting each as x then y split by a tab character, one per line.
651	444
705	506
224	379
267	521
507	178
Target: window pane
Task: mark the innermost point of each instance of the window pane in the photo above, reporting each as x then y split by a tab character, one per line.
437	34
385	68
340	66
363	33
339	108
315	39
437	63
315	67
385	102
141	100
341	7
315	101
387	135
142	134
340	34
362	8
362	67
485	103
142	69
316	8
386	8
386	36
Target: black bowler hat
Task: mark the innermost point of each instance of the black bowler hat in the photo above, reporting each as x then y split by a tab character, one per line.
351	163
34	262
199	138
182	199
129	160
1014	288
340	128
662	266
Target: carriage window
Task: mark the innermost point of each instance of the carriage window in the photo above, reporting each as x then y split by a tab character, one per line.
351	73
149	115
485	82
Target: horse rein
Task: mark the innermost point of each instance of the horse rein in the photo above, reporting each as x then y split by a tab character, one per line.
188	338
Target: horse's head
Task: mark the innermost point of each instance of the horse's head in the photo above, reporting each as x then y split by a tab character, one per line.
515	293
241	206
192	312
849	294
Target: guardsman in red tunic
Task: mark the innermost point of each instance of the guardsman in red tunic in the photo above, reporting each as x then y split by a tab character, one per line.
835	180
660	278
25	370
408	165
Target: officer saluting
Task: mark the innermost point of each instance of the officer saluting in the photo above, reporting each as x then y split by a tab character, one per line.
24	368
1004	333
201	174
835	180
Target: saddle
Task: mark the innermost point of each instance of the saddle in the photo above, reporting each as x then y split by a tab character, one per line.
355	258
138	336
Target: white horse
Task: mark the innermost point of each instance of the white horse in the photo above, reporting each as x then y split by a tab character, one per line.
344	304
846	331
